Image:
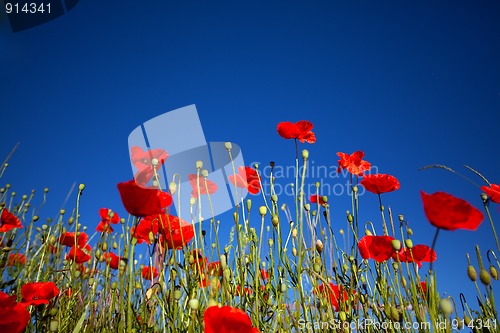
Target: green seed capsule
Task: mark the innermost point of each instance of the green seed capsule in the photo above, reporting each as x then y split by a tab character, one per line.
194	304
54	326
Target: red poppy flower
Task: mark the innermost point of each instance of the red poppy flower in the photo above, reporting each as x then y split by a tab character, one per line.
301	131
139	201
206	186
142	160
420	253
147	226
246	178
378	248
16	259
36	293
493	192
227	319
9	221
353	163
149	273
445	211
380	183
79	254
70	239
13	316
263	274
336	294
423	284
107	217
316	199
174	232
111	259
214	269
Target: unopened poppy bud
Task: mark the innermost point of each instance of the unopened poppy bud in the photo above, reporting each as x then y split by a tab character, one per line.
307	207
270	242
199	164
71	220
192	201
324	198
401	217
262	210
122	220
35	218
194	304
275	220
396	244
294	251
204	173
350	219
484	197
305	154
249	204
228	145
177	294
114	285
294	232
172	187
341	231
471	272
115	245
467	320
409	231
319	246
151	237
403	282
154	161
62	211
485	277
81	187
342	316
368	232
394	314
54	326
493	272
408	243
274	198
283	287
446	306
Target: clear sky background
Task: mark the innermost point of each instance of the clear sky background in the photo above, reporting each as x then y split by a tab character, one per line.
411	83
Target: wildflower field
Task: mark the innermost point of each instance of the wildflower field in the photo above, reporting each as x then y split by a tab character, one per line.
285	267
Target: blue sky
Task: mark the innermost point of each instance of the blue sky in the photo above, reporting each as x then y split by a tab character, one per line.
410	83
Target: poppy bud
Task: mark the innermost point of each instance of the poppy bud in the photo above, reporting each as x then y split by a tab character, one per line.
485	277
342	316
307	207
493	272
403	282
172	187
177	293
274	198
350	219
446	306
467	320
270	242
471	272
396	244
62	211
199	164
54	326
249	204
305	154
192	201
283	287
394	314
409	231
355	189
484	197
204	173
401	217
368	232
35	218
228	145
324	198
194	304
294	232
294	251
341	231
262	210
319	246
409	243
275	220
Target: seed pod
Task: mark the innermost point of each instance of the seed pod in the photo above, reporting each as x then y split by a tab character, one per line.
446	306
54	326
262	210
408	243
